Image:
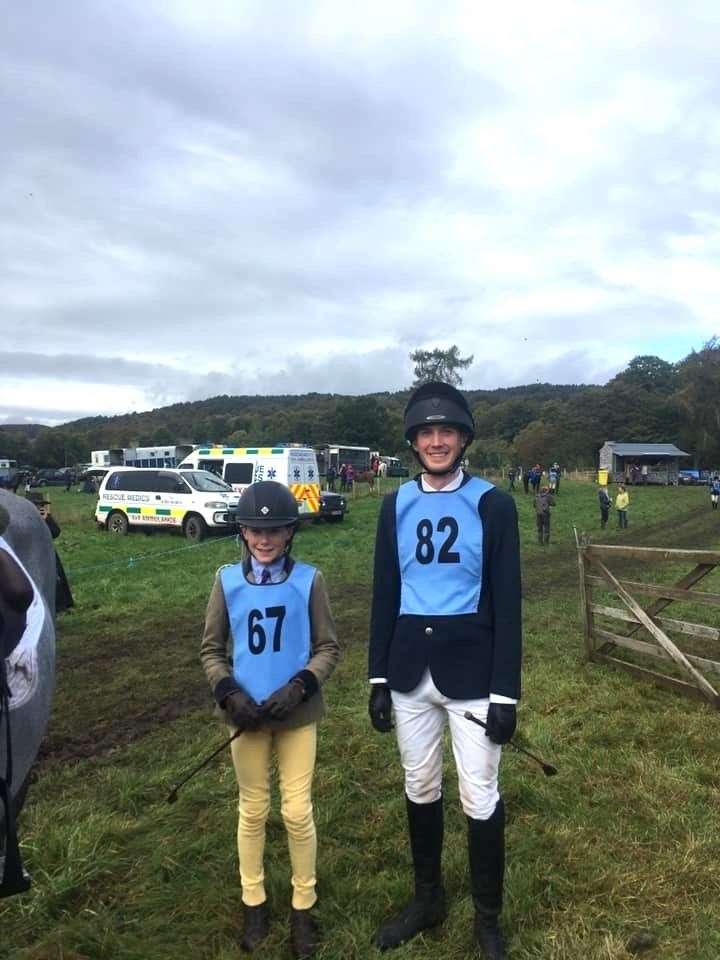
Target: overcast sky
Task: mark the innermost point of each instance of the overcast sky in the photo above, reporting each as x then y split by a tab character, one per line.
265	197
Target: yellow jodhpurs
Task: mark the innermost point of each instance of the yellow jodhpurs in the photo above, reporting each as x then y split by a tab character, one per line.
252	754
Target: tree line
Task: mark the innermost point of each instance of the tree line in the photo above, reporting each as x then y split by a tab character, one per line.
652	400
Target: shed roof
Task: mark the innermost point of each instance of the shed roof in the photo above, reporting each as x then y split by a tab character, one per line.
646	449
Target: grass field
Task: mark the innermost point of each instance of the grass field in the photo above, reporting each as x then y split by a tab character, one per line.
619	853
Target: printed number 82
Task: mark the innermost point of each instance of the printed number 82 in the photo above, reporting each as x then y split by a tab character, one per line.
425	550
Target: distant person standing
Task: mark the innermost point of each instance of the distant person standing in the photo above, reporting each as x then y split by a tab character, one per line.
543	502
350	477
604	498
552	480
330	476
715	491
526	479
622	502
558	471
343	476
537	473
511	478
63	594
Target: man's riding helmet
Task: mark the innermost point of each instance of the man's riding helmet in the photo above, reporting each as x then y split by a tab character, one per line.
438	404
266	504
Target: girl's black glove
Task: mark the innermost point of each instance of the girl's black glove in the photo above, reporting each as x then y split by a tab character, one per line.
242	710
283	701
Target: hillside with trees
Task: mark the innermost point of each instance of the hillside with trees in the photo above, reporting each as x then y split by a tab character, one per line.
651	400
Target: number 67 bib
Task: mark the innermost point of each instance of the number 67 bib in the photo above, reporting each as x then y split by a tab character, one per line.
440	549
270	627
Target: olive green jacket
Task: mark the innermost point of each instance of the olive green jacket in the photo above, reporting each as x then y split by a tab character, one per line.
217	646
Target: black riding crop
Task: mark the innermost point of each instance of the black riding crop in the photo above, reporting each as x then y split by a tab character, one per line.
548	769
172	796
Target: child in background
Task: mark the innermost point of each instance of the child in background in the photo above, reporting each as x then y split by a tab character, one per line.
622	502
268	645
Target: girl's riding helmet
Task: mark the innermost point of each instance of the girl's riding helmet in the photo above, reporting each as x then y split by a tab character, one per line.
266	504
437	403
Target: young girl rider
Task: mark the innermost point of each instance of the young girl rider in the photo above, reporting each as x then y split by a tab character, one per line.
268	645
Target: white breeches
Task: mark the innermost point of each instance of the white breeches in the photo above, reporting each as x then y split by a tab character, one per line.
420	718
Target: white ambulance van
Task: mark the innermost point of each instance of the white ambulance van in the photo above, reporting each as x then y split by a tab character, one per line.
296	467
193	501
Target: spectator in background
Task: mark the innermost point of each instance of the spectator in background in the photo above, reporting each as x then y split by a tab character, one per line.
714	491
63	595
526	479
604	498
558	471
622	502
343	476
537	473
543	502
511	478
350	477
330	477
552	479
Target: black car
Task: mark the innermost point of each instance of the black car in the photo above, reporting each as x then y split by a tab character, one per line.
52	478
333	506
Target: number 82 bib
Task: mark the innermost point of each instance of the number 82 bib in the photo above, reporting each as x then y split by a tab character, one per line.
440	548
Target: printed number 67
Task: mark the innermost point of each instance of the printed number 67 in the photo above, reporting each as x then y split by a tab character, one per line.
257	638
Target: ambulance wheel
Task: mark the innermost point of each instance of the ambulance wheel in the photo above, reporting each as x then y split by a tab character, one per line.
117	522
195	528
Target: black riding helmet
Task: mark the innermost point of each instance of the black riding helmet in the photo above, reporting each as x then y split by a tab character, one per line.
266	504
438	403
434	403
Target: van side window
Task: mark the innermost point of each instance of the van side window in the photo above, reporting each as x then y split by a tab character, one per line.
169	483
214	466
238	473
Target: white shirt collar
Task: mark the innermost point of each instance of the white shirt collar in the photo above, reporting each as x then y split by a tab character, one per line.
452	484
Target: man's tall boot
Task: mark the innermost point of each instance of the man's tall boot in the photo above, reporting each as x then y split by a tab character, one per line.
486	848
427	907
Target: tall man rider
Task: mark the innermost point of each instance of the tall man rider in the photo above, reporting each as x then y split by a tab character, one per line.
445	638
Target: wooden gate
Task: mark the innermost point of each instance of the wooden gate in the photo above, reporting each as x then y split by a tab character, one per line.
641	633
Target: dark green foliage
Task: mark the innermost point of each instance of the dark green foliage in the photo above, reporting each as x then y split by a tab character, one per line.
650	401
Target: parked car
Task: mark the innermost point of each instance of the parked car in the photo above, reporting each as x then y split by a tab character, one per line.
51	478
333	506
193	501
692	477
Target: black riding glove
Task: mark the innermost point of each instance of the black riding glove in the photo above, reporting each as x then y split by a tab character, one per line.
501	722
242	710
380	707
280	704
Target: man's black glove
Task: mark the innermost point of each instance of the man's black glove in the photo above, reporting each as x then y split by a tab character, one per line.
380	707
242	710
283	701
501	722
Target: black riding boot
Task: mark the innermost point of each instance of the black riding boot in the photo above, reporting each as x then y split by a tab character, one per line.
486	847
427	907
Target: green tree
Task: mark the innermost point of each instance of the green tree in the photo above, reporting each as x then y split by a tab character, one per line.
698	401
437	364
649	373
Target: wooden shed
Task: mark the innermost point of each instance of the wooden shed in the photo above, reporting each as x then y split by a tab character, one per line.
636	463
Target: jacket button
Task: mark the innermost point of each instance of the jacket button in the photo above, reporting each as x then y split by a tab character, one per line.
428	631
